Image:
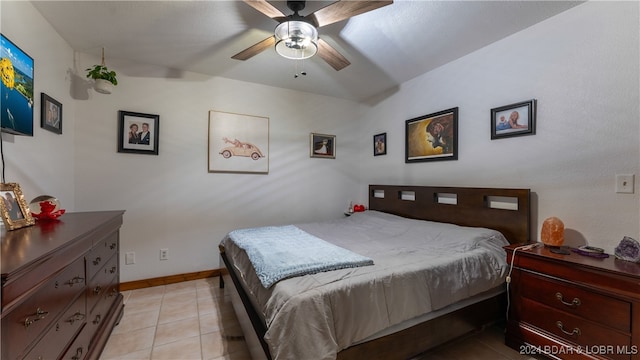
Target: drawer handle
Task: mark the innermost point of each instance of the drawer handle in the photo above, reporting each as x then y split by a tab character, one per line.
97	289
97	260
75	280
575	331
575	303
78	354
96	321
76	317
113	292
39	315
112	246
113	269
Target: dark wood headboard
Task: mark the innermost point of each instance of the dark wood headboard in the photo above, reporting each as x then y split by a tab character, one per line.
505	210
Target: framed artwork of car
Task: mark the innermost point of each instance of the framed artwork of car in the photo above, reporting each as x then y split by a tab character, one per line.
238	143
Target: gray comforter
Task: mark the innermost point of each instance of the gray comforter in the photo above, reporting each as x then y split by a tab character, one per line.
420	266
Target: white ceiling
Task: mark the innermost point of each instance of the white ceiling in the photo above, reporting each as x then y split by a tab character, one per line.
386	46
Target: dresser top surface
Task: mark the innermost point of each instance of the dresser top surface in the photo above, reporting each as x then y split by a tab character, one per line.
609	265
23	246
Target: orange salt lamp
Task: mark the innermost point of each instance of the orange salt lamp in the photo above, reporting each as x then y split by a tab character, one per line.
552	232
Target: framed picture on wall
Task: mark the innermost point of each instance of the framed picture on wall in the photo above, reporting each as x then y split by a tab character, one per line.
238	143
138	133
50	114
322	146
432	137
513	120
13	207
380	144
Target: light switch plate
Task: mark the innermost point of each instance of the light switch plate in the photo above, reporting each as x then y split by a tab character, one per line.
130	258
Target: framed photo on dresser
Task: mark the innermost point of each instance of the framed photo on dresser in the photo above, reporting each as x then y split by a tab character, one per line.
13	207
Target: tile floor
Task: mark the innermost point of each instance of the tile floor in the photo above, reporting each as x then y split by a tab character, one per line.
195	320
188	320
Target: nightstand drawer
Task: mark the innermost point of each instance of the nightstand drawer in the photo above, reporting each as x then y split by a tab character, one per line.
571	328
577	301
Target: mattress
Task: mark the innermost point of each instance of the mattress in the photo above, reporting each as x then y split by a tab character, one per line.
419	267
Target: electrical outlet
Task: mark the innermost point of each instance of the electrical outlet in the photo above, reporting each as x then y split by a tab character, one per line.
624	183
130	258
164	254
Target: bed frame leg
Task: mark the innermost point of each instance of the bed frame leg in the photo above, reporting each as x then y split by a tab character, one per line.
221	282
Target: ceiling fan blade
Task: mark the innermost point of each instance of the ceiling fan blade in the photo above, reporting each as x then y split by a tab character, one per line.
332	56
342	10
255	49
266	8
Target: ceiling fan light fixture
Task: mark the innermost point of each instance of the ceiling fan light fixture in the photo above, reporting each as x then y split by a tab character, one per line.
296	40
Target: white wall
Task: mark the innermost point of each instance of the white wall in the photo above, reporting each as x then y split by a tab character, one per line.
582	67
171	201
42	164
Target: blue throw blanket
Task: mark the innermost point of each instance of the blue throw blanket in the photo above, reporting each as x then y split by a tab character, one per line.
279	252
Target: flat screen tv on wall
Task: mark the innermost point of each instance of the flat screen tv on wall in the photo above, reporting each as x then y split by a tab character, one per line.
16	91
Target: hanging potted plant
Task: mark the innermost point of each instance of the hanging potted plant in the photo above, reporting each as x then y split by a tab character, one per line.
105	79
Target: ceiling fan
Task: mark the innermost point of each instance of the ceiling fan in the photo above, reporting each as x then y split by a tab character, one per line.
296	37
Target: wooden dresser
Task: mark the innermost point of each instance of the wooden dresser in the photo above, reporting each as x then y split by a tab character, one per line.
60	297
573	306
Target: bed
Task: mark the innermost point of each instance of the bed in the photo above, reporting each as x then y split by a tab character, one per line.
409	300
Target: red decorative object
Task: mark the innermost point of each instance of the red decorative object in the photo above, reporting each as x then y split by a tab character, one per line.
552	233
47	212
358	208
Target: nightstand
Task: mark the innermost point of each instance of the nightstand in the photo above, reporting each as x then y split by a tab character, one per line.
573	306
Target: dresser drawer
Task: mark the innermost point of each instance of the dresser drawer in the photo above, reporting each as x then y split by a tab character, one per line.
61	333
577	301
79	349
571	328
98	286
98	316
26	322
100	253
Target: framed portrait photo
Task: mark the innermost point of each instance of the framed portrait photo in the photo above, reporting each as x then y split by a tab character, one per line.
138	133
322	146
50	114
380	144
432	137
513	120
13	207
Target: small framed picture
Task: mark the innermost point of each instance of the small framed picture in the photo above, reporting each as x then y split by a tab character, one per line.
322	146
13	207
432	137
50	114
513	120
380	144
138	133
